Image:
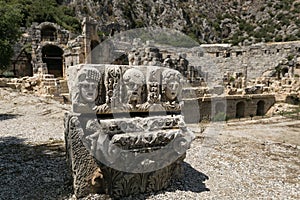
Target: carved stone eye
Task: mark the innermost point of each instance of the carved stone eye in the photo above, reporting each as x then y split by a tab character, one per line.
110	93
131	85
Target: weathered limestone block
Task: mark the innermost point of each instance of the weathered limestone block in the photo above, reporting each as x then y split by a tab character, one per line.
3	82
125	134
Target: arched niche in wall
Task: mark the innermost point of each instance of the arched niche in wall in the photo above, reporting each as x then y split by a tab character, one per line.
48	33
260	110
240	109
52	55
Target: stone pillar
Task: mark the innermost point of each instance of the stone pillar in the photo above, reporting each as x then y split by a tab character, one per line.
89	32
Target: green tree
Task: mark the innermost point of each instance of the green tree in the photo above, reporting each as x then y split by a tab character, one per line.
48	10
10	19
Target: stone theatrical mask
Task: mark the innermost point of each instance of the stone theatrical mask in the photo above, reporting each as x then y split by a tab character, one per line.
134	81
171	84
88	81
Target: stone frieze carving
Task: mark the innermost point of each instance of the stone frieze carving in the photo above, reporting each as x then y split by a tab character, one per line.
117	89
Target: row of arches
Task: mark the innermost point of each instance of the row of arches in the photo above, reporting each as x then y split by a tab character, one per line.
240	108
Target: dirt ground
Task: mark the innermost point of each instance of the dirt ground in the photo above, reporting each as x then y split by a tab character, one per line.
252	159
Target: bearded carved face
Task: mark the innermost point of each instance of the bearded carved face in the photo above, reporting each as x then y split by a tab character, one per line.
134	91
134	81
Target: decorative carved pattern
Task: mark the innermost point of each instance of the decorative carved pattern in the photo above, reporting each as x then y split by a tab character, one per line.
113	89
153	86
86	174
138	124
122	184
134	81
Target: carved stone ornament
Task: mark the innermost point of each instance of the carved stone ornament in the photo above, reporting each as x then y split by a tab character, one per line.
135	138
113	89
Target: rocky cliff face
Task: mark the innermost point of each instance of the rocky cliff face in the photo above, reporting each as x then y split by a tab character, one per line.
218	21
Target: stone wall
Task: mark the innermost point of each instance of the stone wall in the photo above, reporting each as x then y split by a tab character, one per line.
234	106
46	34
252	60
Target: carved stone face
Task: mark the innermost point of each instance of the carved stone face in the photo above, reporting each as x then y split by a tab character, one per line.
171	84
134	91
134	81
172	89
89	82
89	91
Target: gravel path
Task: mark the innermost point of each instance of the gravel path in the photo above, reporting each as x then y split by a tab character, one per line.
238	160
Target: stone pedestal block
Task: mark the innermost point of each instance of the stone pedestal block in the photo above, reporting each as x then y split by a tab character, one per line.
125	134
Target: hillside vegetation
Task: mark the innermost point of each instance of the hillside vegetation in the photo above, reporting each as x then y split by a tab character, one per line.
218	21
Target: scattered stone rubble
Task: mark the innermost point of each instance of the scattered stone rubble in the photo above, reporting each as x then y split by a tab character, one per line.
151	55
43	85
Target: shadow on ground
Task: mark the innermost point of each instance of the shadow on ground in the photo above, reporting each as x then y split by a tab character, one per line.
33	171
7	116
39	171
192	180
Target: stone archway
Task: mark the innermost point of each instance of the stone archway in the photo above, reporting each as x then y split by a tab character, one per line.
52	56
260	110
240	109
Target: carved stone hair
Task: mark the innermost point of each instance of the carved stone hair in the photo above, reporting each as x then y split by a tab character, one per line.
135	75
89	73
170	75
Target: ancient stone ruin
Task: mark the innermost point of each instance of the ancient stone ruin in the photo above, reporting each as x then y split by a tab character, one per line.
125	134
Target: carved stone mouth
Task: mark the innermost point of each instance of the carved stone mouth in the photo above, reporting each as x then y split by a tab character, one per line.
134	93
90	94
173	93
